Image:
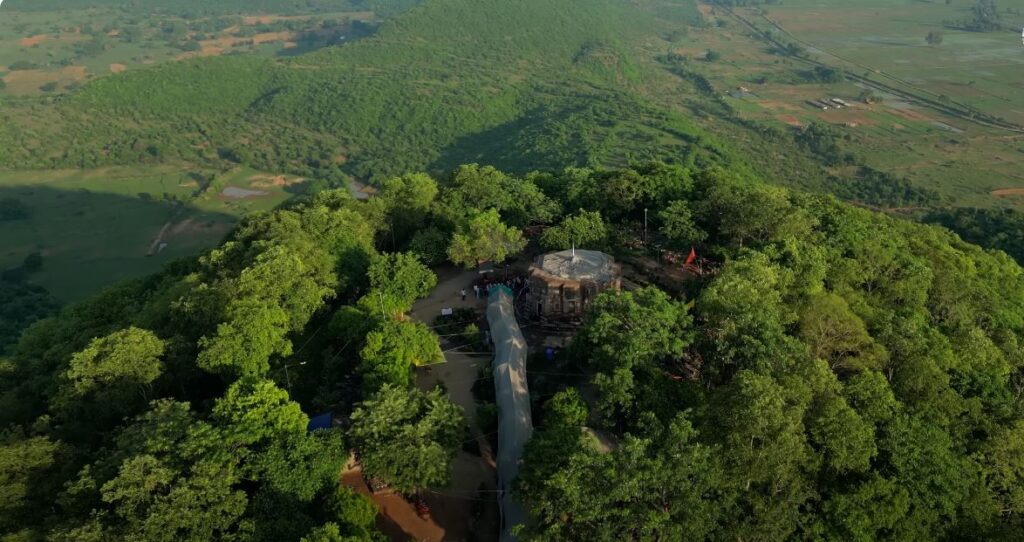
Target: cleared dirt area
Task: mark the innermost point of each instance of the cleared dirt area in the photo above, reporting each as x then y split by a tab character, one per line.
396	517
29	81
219	46
266	37
33	40
267	181
790	120
117	68
467	509
1004	192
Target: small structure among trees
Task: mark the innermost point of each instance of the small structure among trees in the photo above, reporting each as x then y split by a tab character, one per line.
563	284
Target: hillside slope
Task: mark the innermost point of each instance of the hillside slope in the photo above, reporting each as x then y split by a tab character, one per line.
428	87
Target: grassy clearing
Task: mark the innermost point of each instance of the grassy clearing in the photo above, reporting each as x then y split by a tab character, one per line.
96	227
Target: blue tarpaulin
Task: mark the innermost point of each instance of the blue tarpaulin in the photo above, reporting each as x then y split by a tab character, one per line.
323	421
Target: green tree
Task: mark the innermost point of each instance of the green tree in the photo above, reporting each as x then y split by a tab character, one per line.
408	438
330	532
666	487
255	411
473	189
766	453
836	335
625	333
396	282
923	461
404	205
485	239
155	505
25	465
431	245
117	366
632	328
743	214
255	331
1000	460
301	465
679	227
393	349
869	393
744	317
866	511
354	512
582	230
844	440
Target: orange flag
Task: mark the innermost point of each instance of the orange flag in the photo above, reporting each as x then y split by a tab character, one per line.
692	257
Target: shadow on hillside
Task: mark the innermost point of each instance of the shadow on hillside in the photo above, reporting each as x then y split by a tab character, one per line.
329	37
88	240
576	130
528	143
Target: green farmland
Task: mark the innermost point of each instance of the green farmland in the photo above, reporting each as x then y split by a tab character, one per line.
97	227
967	163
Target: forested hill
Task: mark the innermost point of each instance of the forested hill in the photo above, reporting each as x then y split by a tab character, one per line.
196	8
839	374
523	85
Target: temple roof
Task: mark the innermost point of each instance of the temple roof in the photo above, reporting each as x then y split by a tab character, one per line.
578	265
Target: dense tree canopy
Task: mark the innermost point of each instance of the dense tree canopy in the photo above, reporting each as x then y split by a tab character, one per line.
842	376
158	410
835	374
583	230
408	438
485	238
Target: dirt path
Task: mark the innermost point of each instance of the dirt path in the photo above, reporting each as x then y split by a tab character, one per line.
468	508
155	245
455	508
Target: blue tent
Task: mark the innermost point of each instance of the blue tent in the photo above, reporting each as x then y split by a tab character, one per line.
323	421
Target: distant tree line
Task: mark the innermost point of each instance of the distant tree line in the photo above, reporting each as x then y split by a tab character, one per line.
999	229
985	17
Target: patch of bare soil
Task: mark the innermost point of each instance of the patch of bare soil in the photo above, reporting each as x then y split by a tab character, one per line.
1004	192
396	517
74	72
909	114
268	181
29	81
33	40
117	68
790	120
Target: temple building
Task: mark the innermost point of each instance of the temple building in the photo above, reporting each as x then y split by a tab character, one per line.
563	284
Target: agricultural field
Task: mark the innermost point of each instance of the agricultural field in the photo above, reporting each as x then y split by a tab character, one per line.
96	227
908	132
57	51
